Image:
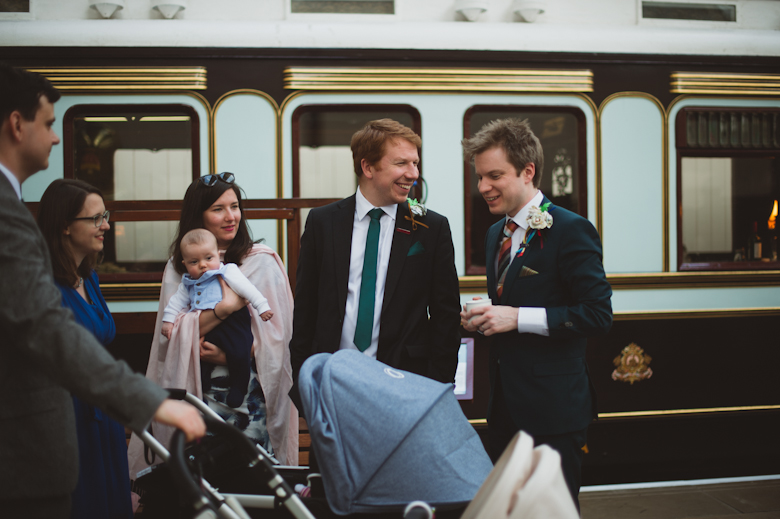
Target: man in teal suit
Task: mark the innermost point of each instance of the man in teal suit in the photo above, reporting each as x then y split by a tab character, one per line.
546	280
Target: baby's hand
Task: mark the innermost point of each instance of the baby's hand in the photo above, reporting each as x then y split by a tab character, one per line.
266	315
167	328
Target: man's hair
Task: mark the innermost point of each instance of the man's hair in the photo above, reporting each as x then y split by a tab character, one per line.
198	237
60	204
369	142
21	91
515	138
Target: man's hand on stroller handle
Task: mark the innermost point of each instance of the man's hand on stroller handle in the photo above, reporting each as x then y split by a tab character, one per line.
183	416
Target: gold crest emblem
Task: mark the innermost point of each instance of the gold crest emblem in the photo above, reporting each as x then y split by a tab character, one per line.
632	365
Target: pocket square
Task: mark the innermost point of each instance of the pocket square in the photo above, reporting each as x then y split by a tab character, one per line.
525	271
415	249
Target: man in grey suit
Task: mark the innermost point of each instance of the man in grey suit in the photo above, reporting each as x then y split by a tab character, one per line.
45	354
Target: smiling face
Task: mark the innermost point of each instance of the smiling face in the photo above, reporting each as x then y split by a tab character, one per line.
390	179
200	258
503	189
83	238
222	218
38	136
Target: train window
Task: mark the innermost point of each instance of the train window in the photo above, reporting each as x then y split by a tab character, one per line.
561	130
343	6
142	157
322	159
728	187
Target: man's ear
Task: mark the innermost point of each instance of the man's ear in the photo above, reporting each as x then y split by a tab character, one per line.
529	172
15	125
368	169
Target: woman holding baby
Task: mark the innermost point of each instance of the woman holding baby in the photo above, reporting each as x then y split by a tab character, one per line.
266	414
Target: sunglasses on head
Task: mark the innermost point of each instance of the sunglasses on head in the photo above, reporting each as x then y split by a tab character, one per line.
210	180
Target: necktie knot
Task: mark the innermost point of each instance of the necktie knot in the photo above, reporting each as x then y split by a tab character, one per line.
376	213
510	228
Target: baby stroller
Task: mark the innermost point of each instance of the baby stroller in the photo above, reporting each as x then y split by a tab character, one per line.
385	437
181	486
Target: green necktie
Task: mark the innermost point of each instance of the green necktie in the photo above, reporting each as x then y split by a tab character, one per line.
365	318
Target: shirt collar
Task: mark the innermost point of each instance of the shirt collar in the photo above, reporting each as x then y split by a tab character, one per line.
363	206
522	215
13	180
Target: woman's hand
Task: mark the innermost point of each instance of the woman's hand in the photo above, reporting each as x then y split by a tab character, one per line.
231	302
211	353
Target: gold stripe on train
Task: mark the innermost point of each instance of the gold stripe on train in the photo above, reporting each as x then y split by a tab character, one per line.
728	84
126	78
483	80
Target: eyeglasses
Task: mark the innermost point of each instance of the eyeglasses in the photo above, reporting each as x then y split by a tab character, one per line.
210	180
98	219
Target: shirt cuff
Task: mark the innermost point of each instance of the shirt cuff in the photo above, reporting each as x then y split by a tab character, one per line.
532	320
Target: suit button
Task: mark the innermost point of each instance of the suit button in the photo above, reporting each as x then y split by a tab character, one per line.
568	324
498	361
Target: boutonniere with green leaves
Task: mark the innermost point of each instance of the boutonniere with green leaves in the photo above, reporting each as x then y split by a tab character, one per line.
539	219
416	209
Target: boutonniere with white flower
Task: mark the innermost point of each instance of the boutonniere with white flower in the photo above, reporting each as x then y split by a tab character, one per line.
416	209
539	219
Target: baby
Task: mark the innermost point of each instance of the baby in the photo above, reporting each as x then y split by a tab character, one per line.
200	290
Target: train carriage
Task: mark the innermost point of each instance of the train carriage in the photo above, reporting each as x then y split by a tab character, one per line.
664	133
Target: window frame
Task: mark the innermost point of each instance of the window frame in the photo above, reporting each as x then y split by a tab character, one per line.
310	108
683	150
132	210
581	174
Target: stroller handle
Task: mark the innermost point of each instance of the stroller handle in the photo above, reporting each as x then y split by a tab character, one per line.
255	460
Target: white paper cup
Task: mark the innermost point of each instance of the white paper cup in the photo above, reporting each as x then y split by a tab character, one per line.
471	305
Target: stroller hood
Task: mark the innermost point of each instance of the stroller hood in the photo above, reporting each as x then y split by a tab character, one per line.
385	437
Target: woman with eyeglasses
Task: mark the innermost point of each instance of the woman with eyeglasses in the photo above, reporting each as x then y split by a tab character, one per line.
266	414
73	219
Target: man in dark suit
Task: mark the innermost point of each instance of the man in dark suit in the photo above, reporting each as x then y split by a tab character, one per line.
45	354
549	292
406	315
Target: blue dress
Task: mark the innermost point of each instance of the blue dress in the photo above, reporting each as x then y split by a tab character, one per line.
103	489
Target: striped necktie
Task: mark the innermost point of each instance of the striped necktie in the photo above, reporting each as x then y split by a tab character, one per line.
504	254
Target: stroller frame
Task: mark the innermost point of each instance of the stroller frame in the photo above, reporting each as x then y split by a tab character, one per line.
205	499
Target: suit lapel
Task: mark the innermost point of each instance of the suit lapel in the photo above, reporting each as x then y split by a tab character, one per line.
343	220
398	251
517	262
491	248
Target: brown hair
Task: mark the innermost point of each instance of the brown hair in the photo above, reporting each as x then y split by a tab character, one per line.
62	201
515	138
198	198
369	142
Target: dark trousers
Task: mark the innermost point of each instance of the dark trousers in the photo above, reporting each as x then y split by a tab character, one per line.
234	337
57	507
501	430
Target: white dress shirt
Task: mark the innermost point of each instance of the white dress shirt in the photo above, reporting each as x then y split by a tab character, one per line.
359	234
13	180
529	319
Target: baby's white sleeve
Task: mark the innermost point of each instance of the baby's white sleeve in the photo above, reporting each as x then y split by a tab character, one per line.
244	288
177	303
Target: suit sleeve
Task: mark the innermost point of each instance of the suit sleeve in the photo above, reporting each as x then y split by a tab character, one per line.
589	310
41	340
444	309
306	294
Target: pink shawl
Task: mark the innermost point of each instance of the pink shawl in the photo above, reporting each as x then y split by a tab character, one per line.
176	363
